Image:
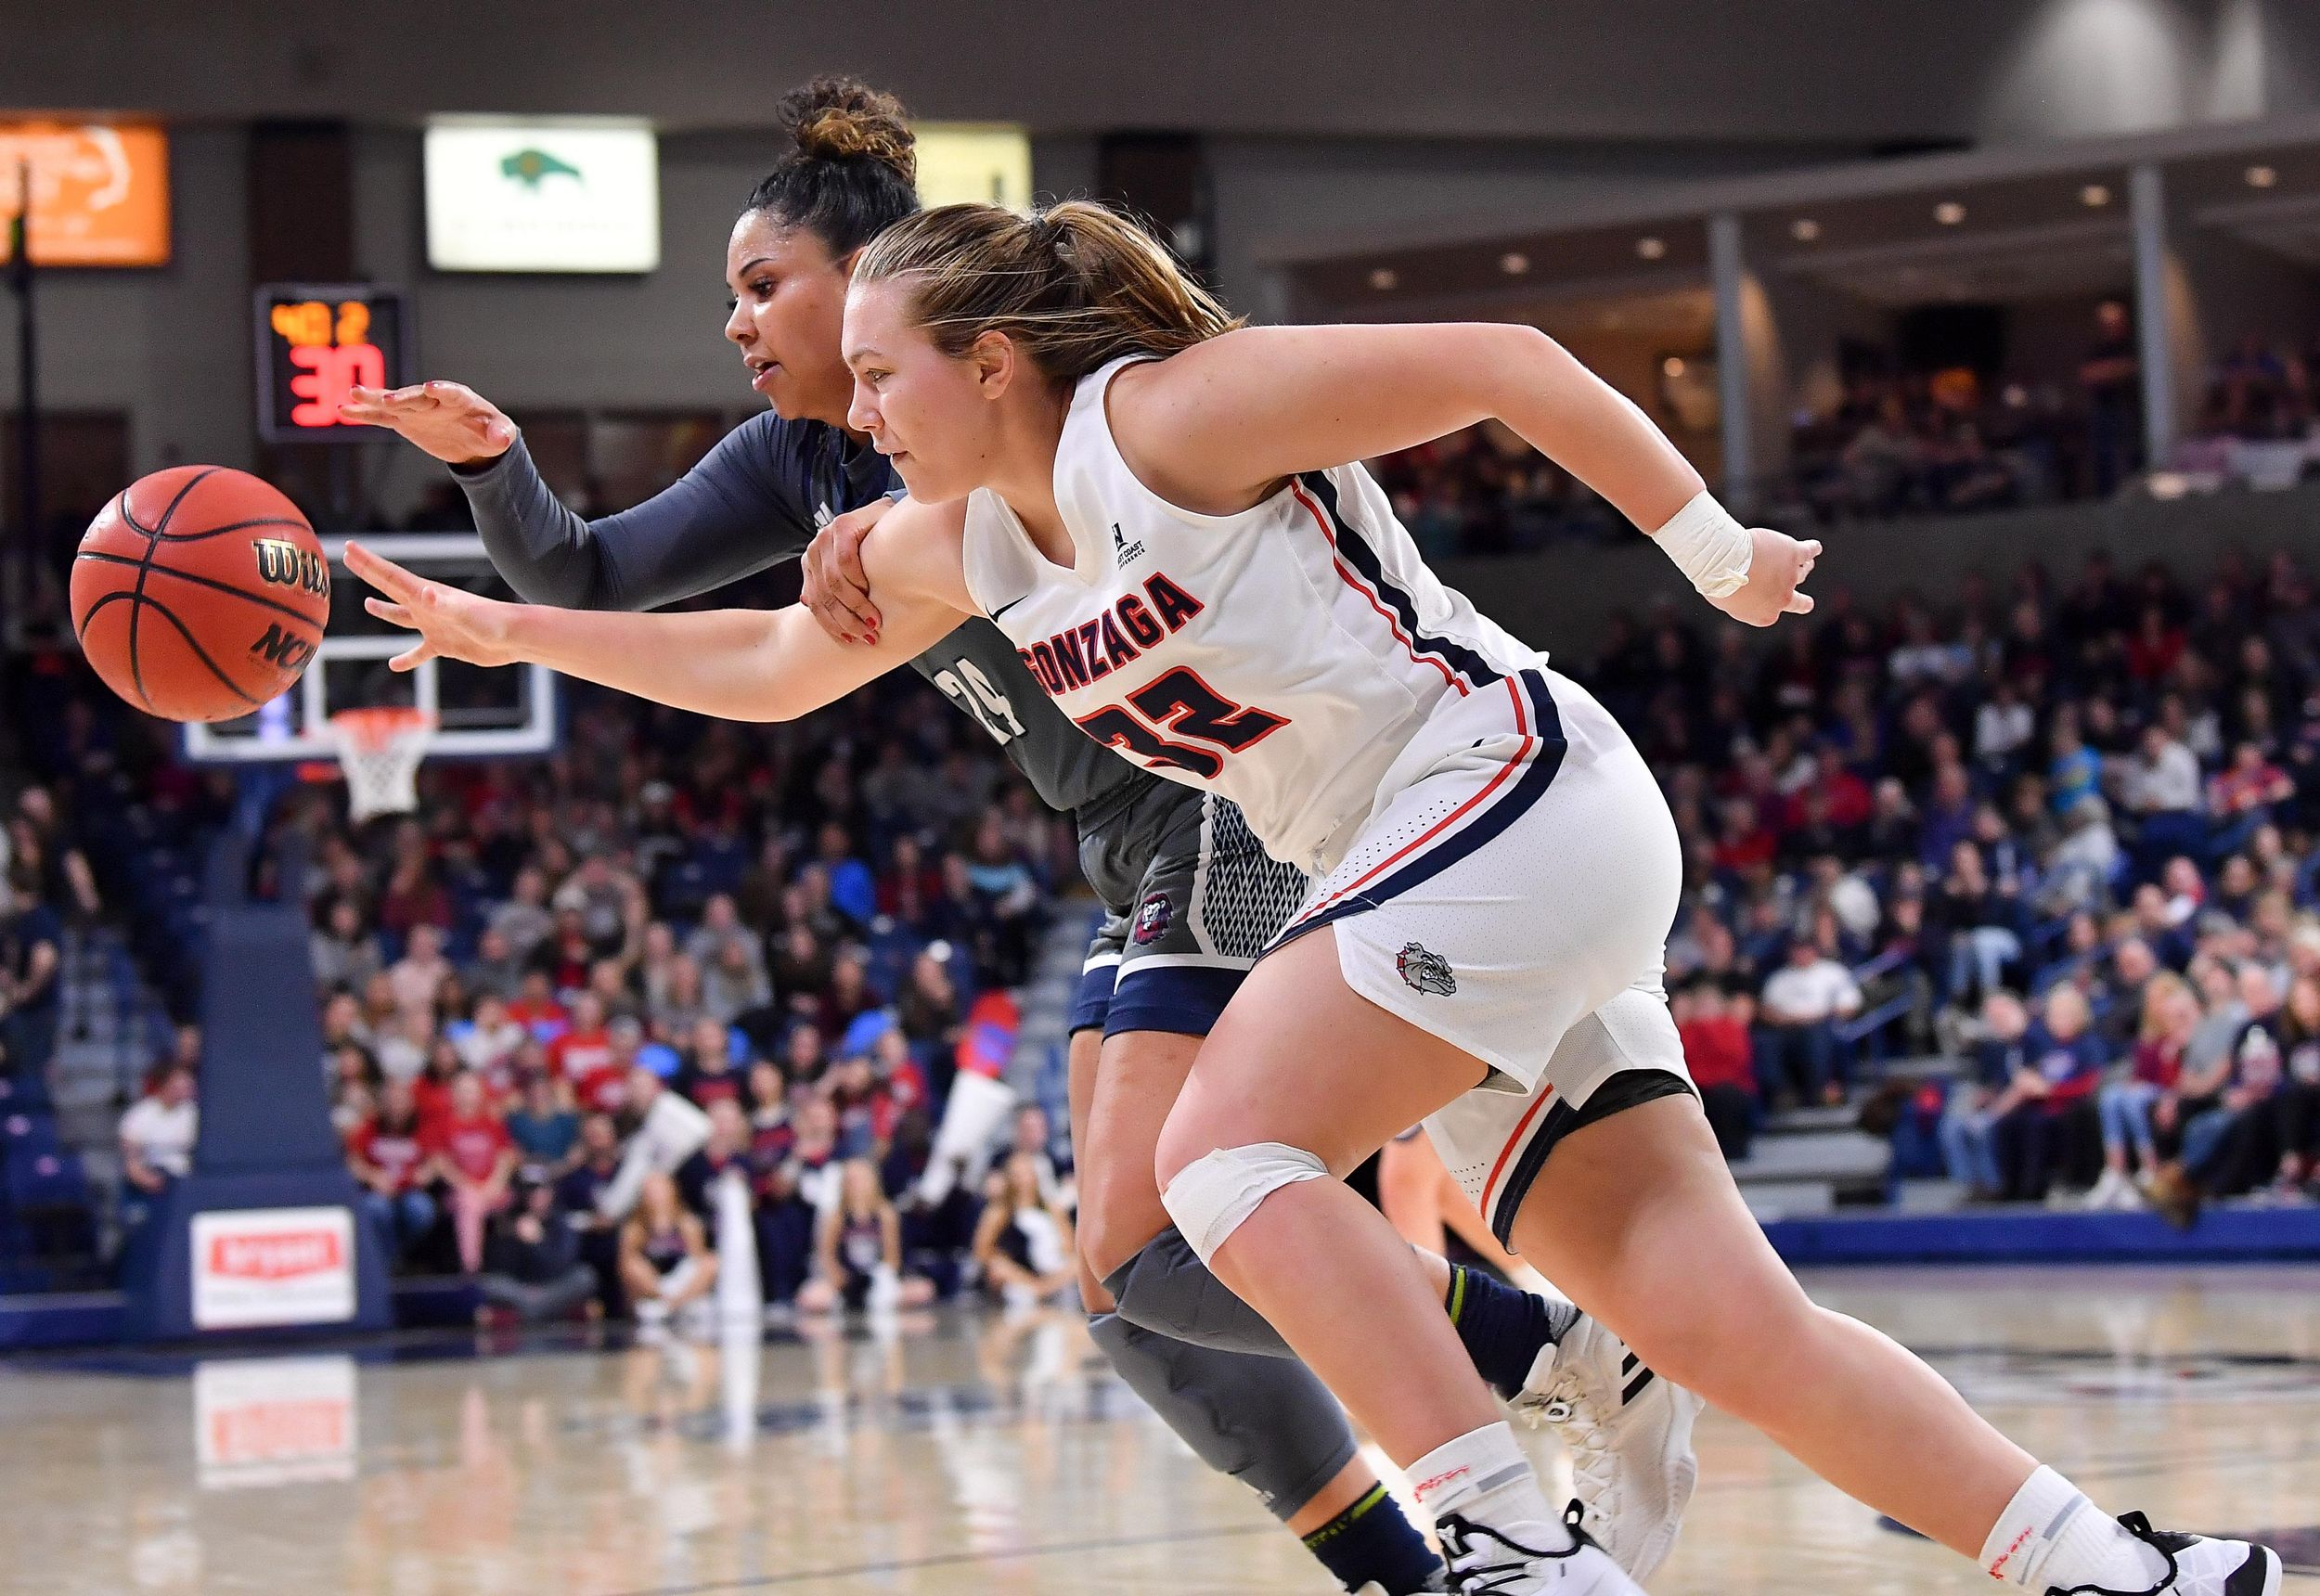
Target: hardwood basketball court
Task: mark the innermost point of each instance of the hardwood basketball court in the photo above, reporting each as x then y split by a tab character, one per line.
967	1453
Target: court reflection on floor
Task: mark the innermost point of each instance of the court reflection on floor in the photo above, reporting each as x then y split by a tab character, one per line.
964	1452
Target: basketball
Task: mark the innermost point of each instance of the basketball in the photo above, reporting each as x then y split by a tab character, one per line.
200	593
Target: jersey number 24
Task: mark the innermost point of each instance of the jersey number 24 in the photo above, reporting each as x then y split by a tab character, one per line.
981	699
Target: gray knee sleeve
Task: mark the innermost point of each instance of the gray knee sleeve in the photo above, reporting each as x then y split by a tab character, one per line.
1266	1421
1167	1288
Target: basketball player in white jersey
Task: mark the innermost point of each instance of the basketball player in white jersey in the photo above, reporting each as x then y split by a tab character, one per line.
1152	505
1192	896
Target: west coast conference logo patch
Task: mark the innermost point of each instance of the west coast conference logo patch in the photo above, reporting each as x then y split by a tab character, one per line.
1152	918
1426	971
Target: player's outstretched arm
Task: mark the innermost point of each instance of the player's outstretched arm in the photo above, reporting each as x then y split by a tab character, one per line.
732	514
739	665
1215	427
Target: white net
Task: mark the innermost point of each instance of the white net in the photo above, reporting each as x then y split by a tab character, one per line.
379	750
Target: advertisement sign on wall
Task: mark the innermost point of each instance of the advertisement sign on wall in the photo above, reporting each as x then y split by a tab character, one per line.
100	192
273	1265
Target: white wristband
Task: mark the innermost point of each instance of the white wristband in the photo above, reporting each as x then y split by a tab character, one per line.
1708	546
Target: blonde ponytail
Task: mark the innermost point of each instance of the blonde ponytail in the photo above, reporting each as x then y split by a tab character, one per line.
1074	285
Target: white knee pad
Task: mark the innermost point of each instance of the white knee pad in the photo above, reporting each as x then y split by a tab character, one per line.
1213	1195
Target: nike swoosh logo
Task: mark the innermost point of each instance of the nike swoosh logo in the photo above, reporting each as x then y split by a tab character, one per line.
1008	605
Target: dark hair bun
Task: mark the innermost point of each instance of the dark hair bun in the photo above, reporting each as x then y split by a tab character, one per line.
841	118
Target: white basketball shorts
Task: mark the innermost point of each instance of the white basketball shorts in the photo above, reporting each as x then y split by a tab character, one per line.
1512	894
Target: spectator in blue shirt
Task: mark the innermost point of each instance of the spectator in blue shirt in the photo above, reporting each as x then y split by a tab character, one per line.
2046	1115
1968	1144
2075	771
853	889
545	1131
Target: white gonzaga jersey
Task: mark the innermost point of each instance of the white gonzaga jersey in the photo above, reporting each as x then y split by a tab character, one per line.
1282	657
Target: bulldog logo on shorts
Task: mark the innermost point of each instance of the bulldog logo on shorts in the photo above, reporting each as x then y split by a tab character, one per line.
1426	971
1152	917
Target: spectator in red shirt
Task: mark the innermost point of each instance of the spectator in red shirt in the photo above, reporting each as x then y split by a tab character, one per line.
2170	1015
2243	795
536	1011
1844	797
604	1089
386	1157
909	884
1716	1049
414	896
896	1070
2155	647
587	1047
1745	843
431	1090
471	1153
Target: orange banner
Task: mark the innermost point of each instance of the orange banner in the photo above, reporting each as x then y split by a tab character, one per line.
100	192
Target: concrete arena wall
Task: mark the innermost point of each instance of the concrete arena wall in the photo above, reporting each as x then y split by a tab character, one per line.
1561	600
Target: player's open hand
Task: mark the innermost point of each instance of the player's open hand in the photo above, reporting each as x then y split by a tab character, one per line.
451	624
450	421
1777	567
835	589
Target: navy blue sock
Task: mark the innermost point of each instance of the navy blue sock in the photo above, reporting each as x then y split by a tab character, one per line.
1371	1539
1503	1328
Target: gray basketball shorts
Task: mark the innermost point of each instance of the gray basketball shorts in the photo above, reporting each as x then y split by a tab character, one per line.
1192	898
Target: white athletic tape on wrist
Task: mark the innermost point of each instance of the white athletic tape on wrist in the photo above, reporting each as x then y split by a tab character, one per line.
1708	546
1212	1196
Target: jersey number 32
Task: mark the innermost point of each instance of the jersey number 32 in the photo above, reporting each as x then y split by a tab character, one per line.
1179	701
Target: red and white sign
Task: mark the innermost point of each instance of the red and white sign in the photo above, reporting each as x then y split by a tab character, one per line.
273	1421
273	1265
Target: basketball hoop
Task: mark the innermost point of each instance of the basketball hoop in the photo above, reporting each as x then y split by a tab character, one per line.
379	750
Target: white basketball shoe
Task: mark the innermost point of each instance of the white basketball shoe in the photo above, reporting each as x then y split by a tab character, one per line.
1630	1433
1520	1559
2197	1566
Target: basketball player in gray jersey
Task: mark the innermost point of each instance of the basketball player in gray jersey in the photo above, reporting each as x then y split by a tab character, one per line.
1190	896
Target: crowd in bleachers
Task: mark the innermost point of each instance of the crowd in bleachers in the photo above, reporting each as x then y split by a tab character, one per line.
1897	441
2065	834
2061	835
796	935
766	948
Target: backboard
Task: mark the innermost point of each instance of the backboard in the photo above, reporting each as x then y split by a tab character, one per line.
480	714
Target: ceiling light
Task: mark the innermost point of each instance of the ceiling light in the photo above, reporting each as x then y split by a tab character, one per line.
1385	280
2094	196
1804	229
1949	213
1514	263
1672	366
1651	249
2261	177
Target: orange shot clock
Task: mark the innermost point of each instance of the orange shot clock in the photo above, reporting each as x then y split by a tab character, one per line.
316	341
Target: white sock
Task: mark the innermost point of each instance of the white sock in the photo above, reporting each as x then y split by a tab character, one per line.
1486	1476
2051	1535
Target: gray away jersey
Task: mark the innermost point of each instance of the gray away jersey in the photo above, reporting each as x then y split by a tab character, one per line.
755	501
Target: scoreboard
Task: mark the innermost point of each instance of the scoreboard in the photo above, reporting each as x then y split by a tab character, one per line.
316	341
